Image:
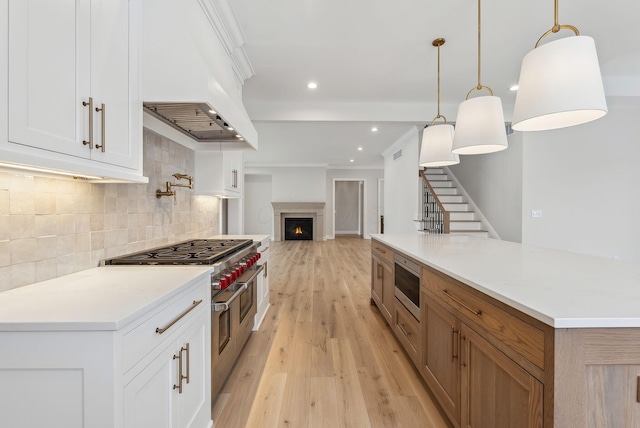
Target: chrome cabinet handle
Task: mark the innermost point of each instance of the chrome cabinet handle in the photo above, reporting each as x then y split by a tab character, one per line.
176	319
461	303
90	104
103	115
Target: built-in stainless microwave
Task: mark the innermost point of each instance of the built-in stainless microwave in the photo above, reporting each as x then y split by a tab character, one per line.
407	284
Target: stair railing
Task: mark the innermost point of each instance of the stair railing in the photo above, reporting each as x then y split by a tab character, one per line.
435	218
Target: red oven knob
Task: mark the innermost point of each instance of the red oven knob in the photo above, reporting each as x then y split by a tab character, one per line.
258	255
223	283
249	262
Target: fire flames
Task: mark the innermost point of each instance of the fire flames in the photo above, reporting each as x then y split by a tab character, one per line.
298	231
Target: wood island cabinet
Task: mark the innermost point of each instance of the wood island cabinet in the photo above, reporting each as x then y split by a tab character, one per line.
382	288
474	350
441	355
496	355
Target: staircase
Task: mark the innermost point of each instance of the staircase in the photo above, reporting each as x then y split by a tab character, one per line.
462	219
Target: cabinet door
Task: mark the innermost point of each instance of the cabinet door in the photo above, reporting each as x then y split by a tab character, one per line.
388	292
49	74
114	82
441	355
496	392
194	403
148	398
377	274
233	171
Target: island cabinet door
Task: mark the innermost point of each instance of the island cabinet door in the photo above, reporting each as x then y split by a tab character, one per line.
441	355
377	275
496	392
382	287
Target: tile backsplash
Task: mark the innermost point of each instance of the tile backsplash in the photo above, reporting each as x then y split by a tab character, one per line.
51	227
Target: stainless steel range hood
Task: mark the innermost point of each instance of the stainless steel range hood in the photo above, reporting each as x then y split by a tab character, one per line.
196	120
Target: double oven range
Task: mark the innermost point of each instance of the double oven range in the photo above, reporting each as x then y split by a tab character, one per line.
233	291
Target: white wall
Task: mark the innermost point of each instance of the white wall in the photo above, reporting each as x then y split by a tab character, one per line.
370	178
401	184
585	181
494	182
258	211
288	184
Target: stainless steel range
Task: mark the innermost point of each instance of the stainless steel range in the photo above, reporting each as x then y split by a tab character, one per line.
233	291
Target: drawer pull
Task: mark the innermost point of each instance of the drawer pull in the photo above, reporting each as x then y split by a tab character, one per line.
181	377
453	343
461	303
176	319
380	250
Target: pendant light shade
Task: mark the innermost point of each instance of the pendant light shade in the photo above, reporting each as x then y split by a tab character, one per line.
436	146
560	86
480	124
437	140
480	127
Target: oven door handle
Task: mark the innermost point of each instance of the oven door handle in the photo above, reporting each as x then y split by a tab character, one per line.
259	269
224	306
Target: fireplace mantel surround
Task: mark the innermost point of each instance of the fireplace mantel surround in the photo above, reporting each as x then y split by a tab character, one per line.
314	210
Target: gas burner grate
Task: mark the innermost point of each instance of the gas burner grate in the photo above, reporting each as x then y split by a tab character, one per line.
194	252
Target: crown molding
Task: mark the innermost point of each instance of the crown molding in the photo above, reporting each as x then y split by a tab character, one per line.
224	22
400	142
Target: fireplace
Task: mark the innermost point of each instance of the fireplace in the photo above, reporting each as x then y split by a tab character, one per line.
297	210
298	229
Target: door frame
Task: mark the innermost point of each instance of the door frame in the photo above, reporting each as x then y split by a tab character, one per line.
362	205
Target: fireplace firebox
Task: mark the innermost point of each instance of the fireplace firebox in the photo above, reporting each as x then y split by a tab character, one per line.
298	229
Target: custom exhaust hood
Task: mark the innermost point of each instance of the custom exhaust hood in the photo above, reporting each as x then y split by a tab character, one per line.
188	78
196	120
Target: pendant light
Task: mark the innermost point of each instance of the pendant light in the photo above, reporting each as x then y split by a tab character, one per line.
560	83
437	139
480	124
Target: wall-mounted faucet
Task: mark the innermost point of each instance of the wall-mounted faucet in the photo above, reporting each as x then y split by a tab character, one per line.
179	176
169	192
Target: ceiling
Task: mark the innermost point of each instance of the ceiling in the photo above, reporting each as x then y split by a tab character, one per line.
375	65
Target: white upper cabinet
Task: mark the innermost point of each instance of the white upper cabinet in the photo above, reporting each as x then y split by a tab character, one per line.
219	174
73	98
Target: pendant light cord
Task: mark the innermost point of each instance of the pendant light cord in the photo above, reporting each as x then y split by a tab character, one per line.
557	27
480	85
437	43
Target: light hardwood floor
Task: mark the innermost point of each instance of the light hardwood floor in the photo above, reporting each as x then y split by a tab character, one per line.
323	357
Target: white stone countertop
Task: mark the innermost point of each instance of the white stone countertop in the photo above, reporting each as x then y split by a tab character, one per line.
102	298
561	289
260	238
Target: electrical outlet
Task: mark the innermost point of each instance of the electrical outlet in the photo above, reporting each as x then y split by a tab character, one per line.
536	213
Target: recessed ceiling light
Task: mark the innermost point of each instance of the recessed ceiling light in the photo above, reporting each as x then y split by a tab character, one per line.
312	85
229	128
213	112
374	129
514	88
351	160
238	136
359	149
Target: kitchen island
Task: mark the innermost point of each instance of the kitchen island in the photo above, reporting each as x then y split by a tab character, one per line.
514	335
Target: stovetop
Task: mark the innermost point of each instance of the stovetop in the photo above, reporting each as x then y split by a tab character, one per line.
193	252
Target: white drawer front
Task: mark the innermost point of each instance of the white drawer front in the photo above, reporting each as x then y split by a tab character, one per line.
144	338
